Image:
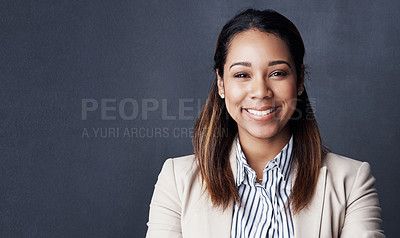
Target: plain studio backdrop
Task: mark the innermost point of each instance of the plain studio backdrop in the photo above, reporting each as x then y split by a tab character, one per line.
96	95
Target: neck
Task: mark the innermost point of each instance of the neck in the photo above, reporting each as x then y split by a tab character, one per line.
259	152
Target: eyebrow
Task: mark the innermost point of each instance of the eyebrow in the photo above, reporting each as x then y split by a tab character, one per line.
272	63
247	64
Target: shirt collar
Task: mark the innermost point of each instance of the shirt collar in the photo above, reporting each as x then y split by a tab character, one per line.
282	161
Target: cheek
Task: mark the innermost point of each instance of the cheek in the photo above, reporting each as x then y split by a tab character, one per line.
286	91
234	96
287	94
291	98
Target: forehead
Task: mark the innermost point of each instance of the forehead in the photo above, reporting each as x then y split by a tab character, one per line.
257	45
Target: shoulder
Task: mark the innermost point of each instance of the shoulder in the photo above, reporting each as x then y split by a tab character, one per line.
181	170
334	160
348	175
343	166
180	166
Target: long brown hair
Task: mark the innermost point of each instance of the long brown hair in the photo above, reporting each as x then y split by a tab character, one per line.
215	130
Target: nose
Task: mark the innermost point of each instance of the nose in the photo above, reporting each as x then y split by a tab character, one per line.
260	89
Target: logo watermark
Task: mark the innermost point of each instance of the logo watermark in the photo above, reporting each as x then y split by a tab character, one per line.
131	109
136	110
137	132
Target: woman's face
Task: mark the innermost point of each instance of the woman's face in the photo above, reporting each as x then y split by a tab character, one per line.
260	85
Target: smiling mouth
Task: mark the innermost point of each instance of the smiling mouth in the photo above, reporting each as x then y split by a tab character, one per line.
261	113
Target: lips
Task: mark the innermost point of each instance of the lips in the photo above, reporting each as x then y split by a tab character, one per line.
261	112
264	111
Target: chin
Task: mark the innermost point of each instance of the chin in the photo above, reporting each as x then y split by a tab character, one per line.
263	134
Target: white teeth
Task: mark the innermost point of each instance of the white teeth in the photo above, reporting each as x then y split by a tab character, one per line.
261	113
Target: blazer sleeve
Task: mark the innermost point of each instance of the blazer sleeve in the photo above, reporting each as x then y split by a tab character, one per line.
165	207
363	213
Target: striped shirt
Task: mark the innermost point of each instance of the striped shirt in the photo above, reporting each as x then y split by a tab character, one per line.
263	212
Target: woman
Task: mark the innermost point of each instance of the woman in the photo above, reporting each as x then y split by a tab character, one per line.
259	168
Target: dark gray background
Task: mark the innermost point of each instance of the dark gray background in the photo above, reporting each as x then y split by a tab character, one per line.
54	182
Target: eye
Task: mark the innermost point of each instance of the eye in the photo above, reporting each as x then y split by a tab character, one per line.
278	74
241	75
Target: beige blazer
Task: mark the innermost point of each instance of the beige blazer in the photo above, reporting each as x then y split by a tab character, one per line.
345	203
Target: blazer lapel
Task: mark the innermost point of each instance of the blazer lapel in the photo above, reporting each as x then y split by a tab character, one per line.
217	223
307	223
